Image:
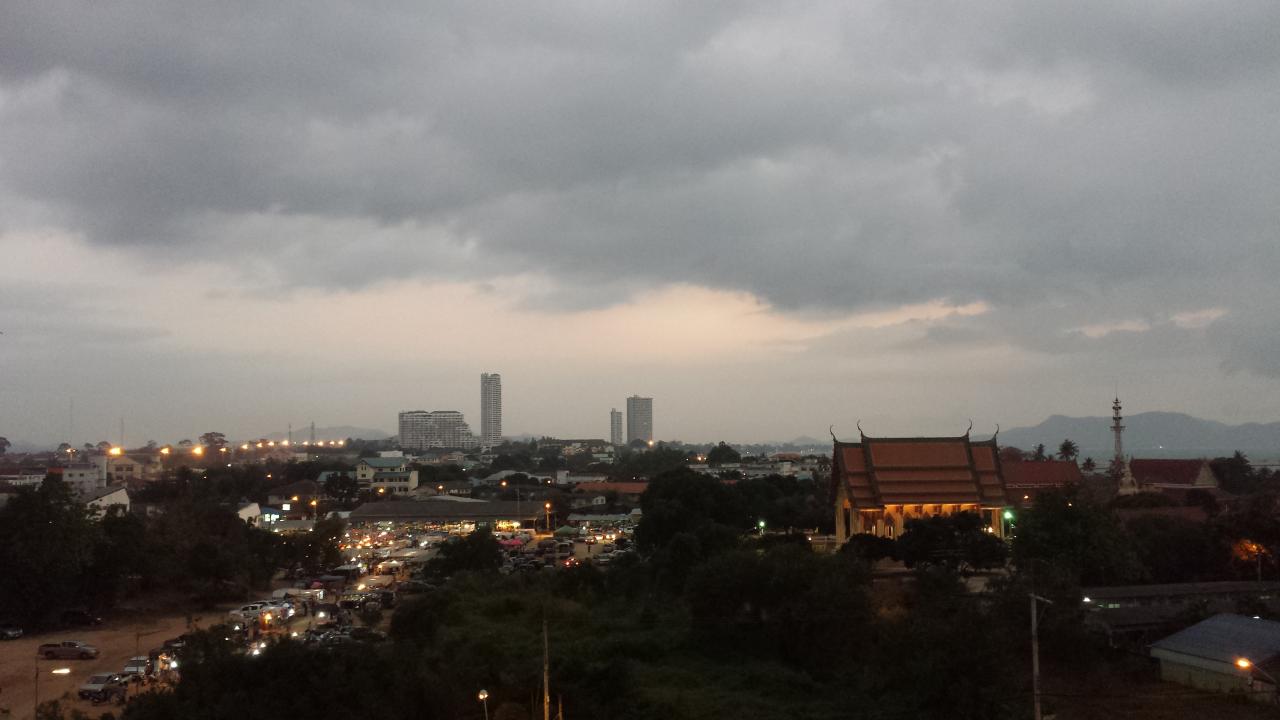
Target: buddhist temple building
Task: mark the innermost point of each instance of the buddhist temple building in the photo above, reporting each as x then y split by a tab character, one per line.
880	483
1172	477
1024	480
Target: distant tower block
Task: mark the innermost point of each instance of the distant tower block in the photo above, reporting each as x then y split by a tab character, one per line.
490	409
615	426
639	419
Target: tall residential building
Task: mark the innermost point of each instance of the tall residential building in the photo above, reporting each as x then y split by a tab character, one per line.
615	426
639	418
490	409
420	430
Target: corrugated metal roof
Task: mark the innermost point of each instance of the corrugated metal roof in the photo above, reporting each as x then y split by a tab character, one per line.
1226	638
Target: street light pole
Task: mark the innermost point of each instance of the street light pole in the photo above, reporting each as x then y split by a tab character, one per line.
484	699
1035	652
1247	664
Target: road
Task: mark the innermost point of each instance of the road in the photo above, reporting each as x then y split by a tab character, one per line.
116	641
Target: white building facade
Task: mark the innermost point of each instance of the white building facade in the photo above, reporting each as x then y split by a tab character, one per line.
420	429
615	426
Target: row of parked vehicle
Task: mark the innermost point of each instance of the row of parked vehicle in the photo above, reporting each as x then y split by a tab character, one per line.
10	630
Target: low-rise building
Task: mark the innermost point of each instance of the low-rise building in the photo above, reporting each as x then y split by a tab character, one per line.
295	499
1225	653
1024	480
100	500
81	478
394	482
368	467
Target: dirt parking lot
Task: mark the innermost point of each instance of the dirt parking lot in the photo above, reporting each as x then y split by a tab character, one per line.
117	640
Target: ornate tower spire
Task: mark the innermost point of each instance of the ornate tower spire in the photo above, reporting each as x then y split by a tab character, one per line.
1118	429
1126	484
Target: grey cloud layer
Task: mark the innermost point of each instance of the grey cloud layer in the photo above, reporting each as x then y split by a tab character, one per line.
821	155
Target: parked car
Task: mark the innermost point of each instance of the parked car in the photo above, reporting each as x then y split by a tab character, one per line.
246	611
138	668
97	684
68	649
10	632
175	644
411	587
80	618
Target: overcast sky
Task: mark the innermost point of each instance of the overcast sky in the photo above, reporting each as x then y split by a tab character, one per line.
771	217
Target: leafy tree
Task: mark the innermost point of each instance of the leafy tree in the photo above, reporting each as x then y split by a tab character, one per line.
683	501
723	453
958	542
1010	454
1039	454
1143	500
1066	531
869	548
4	444
1089	465
342	488
1068	450
1235	474
1174	550
789	602
476	552
46	544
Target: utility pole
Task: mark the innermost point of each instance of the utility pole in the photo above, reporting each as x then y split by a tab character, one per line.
546	672
1035	652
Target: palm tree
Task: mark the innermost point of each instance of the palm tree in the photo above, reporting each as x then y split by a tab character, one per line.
1089	465
1068	450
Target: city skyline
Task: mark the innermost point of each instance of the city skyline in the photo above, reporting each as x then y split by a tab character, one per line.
773	222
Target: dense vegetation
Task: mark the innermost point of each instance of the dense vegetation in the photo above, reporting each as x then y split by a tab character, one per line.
56	555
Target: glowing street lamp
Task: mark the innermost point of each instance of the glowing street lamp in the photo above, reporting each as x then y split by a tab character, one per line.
164	451
197	450
547	506
1247	664
116	451
484	699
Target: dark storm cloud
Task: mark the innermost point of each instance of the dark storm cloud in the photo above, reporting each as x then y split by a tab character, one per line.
822	156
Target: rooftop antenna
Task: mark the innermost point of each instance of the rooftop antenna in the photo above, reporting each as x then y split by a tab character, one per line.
121	432
313	432
290	433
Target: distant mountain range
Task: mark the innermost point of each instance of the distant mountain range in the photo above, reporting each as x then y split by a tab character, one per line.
337	432
1151	434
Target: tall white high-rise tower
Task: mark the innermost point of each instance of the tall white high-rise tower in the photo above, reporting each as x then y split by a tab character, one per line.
490	409
615	426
